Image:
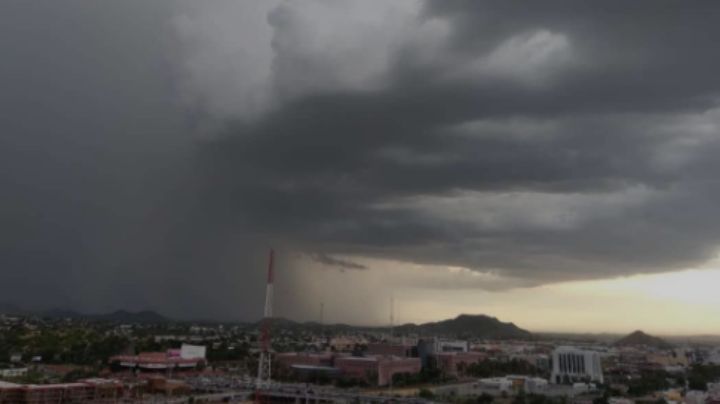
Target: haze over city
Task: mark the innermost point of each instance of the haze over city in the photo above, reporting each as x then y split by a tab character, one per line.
553	164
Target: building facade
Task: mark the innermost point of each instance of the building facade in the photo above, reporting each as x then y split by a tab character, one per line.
96	391
377	370
575	365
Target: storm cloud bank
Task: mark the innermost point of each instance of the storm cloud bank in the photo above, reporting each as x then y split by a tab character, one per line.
152	152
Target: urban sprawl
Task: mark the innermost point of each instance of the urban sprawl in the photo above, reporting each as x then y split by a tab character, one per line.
74	359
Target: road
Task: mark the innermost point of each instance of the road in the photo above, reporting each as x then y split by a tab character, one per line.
238	387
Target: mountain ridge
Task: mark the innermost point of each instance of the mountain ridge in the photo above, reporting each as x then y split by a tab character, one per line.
117	316
469	325
462	326
640	338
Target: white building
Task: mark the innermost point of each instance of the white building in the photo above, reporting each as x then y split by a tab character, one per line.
513	383
188	351
495	383
571	364
714	357
13	372
535	385
450	346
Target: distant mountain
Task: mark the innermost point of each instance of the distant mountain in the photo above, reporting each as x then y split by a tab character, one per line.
118	316
468	326
61	313
281	323
144	316
639	338
10	309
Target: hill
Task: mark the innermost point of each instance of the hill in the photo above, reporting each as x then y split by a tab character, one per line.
118	316
468	326
463	326
122	316
639	338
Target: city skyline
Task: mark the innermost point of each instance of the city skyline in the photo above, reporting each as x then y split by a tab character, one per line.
552	164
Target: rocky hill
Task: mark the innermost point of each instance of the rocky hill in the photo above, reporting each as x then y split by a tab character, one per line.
468	326
639	338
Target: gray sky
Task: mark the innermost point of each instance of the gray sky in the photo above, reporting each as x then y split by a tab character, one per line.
150	152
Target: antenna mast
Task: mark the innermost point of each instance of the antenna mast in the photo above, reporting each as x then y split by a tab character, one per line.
392	317
263	379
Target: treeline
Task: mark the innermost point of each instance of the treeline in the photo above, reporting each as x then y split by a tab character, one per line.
700	375
54	345
696	378
485	398
428	375
490	368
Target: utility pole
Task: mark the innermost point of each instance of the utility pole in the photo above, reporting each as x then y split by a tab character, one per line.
323	340
392	329
392	316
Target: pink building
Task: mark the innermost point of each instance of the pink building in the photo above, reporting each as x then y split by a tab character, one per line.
90	391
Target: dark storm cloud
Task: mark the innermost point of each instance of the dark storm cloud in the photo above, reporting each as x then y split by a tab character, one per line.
537	142
98	189
320	168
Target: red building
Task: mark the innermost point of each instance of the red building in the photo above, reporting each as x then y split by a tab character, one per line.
390	366
375	369
89	391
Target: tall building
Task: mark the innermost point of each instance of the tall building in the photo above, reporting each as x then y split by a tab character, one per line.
571	364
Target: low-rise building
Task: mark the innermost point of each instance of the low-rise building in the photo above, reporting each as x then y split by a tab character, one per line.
289	359
450	346
185	359
376	369
402	350
455	363
13	372
513	383
87	391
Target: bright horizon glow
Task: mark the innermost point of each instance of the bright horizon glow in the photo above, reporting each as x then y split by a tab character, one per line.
674	303
683	302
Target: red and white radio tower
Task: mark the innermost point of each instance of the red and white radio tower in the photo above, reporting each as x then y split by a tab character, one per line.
263	379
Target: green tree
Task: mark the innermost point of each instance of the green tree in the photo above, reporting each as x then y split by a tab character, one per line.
426	394
484	398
